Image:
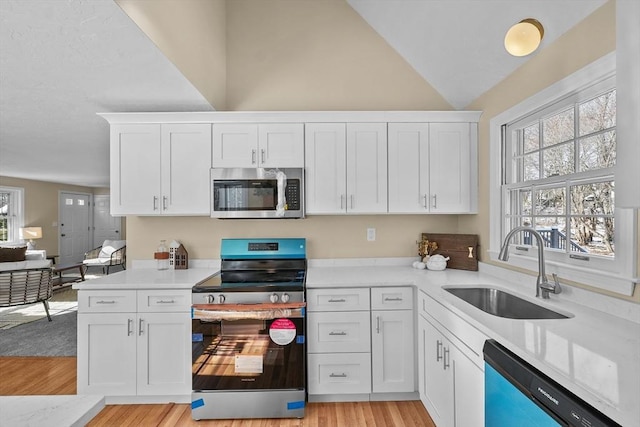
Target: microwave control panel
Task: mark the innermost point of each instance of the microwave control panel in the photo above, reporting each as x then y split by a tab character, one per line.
292	194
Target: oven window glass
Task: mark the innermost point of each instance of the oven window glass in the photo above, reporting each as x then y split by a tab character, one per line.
245	195
244	355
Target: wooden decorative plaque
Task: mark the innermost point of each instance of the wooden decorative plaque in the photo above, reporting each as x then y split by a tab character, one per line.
462	249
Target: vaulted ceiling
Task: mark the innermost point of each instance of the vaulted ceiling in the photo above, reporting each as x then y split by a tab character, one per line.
63	62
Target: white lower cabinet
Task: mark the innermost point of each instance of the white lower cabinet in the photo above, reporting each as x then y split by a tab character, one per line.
450	382
126	350
360	342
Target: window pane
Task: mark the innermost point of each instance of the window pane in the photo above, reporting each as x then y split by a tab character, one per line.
525	202
550	201
558	128
593	199
531	165
597	114
531	137
558	160
593	235
553	232
597	152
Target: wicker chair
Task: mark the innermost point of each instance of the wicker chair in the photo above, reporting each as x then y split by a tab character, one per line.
112	253
20	287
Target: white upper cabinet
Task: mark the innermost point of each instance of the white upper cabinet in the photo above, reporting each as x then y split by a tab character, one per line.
346	168
450	154
366	168
160	169
325	167
270	145
408	167
432	168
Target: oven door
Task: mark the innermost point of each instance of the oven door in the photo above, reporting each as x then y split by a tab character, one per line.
257	193
253	347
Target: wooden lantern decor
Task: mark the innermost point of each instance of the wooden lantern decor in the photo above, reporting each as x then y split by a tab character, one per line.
181	258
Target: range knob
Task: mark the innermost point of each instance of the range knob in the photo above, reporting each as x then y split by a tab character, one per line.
273	298
285	297
221	299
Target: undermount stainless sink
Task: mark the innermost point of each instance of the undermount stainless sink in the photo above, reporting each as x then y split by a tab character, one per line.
503	304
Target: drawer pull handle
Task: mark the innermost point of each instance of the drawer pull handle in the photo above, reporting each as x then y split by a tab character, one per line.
378	324
393	299
438	350
129	327
105	302
161	301
140	325
446	359
337	333
343	375
337	300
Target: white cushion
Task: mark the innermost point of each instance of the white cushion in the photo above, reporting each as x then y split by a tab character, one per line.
35	254
110	246
20	265
96	261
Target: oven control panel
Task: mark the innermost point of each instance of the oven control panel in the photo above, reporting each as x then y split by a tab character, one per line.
247	297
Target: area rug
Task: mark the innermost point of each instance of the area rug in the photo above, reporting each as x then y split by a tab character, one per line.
63	301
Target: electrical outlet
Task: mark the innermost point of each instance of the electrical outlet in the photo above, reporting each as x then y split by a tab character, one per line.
371	234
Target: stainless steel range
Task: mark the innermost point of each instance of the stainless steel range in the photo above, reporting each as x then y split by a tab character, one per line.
248	332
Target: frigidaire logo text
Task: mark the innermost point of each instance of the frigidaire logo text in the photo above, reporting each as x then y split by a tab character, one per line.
547	395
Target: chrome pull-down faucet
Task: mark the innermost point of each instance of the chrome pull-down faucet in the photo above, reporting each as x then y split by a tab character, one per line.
543	286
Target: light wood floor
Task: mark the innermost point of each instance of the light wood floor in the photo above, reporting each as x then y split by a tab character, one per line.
57	375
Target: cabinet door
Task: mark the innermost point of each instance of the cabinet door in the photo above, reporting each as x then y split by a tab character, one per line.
437	393
186	164
408	167
392	351
107	354
164	353
325	168
281	145
366	168
235	145
450	167
468	390
135	169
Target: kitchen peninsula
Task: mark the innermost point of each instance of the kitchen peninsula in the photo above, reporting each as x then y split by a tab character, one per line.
134	335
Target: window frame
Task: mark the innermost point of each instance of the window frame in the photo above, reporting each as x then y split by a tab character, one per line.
616	275
16	215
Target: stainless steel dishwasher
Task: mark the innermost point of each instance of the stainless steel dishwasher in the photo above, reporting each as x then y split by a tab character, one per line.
517	394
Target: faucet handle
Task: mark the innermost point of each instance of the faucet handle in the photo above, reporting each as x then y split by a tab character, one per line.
556	289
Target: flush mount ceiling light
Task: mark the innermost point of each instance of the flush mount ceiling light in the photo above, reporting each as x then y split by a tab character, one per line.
524	37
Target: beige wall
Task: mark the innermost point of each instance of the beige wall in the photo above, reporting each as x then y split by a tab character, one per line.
41	206
320	55
574	50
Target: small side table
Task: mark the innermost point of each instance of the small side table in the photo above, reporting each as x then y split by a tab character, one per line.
52	258
59	269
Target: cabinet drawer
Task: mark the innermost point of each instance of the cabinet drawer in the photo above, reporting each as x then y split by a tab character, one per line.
106	301
158	301
466	337
339	373
392	298
337	332
351	299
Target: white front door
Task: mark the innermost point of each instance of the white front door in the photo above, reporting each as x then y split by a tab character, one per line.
75	236
105	226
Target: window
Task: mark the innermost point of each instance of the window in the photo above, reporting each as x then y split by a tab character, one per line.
11	213
553	167
559	176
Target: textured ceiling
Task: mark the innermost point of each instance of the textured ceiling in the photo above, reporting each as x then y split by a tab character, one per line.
457	45
61	62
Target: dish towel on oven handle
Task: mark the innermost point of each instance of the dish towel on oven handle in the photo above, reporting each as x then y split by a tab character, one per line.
281	180
269	314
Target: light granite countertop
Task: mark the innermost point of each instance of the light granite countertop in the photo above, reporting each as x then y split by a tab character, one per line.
49	411
594	354
148	278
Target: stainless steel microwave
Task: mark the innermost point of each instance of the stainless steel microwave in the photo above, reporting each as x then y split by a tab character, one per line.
257	193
